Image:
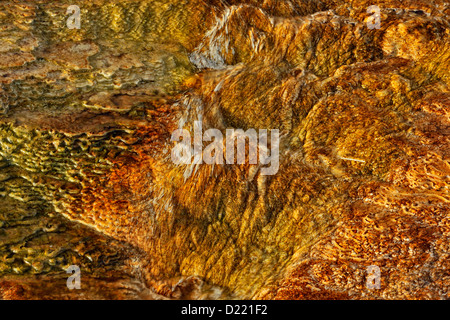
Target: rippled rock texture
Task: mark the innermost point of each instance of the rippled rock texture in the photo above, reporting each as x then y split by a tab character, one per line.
86	176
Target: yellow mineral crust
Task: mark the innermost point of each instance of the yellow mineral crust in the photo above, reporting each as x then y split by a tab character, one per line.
86	175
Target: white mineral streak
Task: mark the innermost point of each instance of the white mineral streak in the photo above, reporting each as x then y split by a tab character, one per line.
216	44
213	58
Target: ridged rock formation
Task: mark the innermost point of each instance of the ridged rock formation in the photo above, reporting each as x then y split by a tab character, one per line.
86	176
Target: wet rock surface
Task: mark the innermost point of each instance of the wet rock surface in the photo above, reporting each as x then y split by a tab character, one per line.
86	176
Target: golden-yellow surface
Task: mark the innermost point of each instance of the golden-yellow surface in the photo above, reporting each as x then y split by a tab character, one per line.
86	176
